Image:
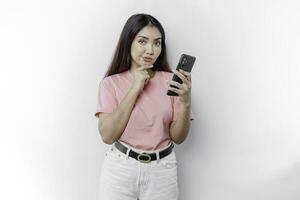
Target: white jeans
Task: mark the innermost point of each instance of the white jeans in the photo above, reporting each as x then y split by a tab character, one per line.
124	178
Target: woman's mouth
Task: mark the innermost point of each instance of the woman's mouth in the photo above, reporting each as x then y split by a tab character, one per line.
147	59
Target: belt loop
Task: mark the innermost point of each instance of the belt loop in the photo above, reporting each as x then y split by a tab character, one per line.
127	153
157	157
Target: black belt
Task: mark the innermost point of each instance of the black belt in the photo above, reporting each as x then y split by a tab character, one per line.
144	157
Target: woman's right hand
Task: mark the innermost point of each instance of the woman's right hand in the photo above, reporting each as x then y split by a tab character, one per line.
141	76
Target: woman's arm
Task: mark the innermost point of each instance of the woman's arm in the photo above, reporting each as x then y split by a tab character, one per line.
179	129
112	125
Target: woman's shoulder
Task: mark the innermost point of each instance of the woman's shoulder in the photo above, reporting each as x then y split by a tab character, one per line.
126	76
116	76
122	78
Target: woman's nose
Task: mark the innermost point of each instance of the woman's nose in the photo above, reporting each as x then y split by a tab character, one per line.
149	49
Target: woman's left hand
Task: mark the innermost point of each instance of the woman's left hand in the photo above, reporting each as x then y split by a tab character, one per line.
184	89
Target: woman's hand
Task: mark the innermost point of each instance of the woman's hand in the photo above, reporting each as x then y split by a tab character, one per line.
184	89
141	75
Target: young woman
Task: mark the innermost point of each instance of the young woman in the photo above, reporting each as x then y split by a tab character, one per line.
138	118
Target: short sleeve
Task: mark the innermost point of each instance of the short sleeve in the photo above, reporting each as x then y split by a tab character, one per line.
106	100
175	105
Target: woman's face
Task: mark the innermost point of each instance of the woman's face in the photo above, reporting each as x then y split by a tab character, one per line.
146	46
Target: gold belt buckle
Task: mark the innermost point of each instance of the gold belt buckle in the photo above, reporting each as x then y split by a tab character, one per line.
144	155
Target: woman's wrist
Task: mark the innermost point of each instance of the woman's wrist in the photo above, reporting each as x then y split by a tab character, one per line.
135	89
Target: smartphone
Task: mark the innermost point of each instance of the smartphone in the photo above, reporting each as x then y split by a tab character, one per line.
186	63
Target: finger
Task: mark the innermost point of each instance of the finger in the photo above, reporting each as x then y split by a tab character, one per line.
178	91
180	75
148	66
188	74
186	86
174	83
143	67
183	86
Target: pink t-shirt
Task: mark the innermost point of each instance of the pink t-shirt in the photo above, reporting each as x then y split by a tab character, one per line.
149	124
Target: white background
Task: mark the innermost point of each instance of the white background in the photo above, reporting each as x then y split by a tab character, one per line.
244	141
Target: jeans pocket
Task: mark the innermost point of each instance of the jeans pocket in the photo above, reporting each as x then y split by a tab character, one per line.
168	162
114	154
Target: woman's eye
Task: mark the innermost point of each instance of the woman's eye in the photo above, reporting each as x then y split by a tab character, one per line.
144	42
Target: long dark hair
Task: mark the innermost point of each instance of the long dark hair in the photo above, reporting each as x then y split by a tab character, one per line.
122	59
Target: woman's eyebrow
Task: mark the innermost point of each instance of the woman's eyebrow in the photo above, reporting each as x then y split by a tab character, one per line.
148	38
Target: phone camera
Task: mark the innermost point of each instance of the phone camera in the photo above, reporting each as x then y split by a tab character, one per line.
184	61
